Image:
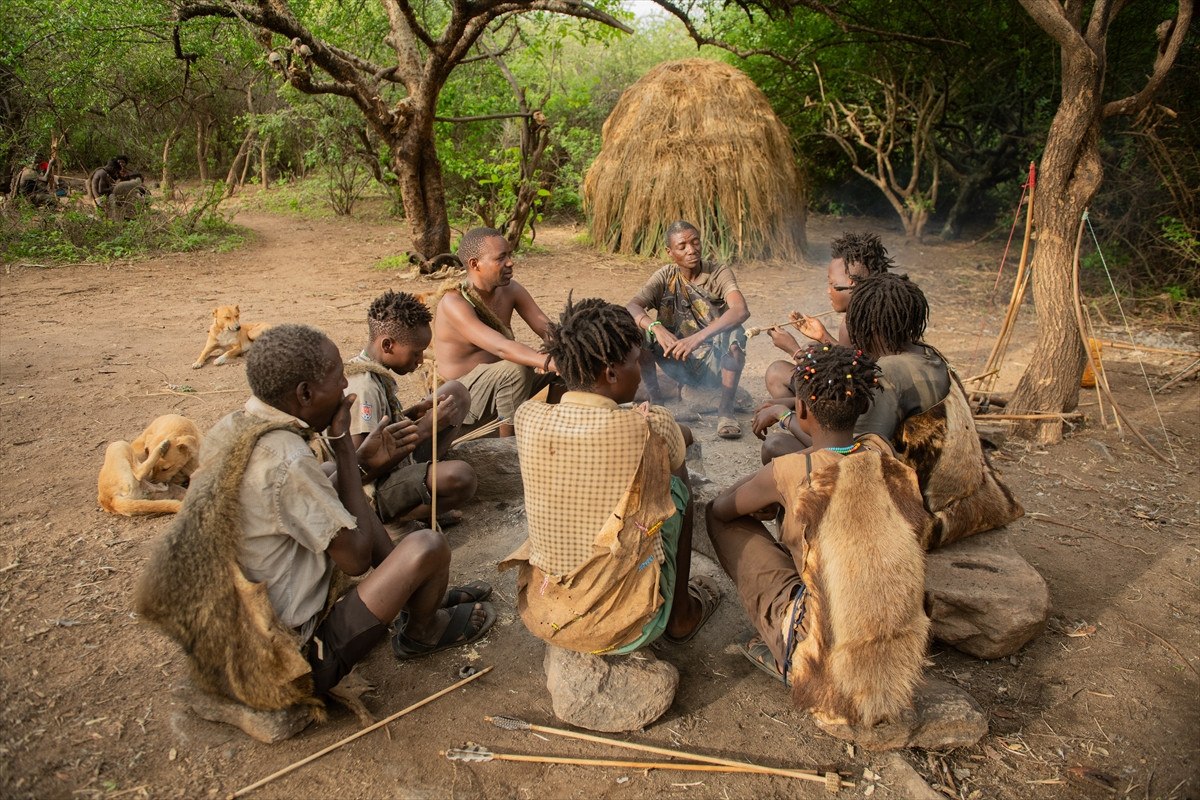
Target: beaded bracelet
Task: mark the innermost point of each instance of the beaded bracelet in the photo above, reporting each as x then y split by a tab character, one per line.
783	420
650	327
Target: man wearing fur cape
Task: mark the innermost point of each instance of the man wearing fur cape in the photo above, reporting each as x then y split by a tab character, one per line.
246	577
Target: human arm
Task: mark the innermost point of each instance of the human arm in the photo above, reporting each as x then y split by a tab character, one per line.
811	328
736	314
771	414
379	451
354	550
461	316
750	494
530	311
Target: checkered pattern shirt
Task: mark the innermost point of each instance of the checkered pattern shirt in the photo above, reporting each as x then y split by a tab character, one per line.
578	458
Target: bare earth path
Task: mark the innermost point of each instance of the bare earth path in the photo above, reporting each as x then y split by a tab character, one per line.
87	353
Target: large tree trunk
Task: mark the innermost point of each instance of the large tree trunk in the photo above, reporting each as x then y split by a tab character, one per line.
415	162
1068	177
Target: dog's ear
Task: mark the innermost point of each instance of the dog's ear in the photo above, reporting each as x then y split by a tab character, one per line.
186	445
237	309
214	313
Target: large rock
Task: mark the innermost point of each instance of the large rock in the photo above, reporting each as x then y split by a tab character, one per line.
943	717
265	726
983	597
497	467
609	693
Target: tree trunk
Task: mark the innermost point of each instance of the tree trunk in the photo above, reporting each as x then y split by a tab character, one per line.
202	148
415	162
168	180
1068	177
242	153
262	162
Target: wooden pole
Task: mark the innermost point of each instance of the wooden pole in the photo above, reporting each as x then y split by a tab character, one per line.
295	766
433	524
794	323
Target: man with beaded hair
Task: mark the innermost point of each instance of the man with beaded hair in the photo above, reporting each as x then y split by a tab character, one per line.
474	341
837	601
263	511
398	326
606	567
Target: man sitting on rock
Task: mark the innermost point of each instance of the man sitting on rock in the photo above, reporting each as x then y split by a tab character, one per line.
475	343
606	567
398	327
838	602
696	335
247	578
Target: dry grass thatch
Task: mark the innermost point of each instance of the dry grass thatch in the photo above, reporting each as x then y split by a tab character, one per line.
696	140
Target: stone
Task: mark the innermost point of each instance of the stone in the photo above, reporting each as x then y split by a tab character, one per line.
496	466
942	717
903	780
609	693
269	727
983	598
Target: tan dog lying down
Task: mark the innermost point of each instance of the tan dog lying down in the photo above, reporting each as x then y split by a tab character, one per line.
148	476
228	331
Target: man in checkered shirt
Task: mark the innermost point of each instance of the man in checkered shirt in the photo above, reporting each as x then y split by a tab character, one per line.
606	567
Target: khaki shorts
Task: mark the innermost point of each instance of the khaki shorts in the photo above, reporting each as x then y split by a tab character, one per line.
497	389
342	639
405	488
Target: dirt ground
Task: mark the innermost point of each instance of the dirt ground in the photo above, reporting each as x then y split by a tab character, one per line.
1109	690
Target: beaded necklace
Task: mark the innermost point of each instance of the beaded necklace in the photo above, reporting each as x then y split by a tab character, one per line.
845	451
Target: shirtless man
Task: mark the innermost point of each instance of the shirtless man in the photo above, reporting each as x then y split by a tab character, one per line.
473	340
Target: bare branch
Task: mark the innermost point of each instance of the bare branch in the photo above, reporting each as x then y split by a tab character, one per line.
485	117
1171	35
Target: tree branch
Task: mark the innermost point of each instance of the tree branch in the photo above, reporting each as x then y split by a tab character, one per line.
485	117
1170	43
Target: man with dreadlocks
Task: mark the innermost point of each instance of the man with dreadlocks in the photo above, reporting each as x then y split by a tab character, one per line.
398	329
606	567
923	409
474	340
854	256
696	334
838	602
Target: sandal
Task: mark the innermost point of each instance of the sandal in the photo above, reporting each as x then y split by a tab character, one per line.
704	590
759	654
473	592
449	518
458	633
728	428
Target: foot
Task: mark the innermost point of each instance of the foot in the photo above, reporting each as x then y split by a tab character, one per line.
473	592
728	428
705	597
760	655
463	624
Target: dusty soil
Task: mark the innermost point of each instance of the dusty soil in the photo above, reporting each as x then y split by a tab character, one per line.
88	353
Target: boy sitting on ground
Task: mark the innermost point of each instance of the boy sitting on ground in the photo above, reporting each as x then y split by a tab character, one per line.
247	576
606	567
398	325
838	602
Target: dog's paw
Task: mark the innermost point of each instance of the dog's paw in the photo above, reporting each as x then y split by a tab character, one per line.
164	447
221	361
198	365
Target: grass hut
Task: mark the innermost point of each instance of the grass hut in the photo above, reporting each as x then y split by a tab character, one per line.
696	140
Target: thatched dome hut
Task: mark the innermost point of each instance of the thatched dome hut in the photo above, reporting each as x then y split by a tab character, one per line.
696	140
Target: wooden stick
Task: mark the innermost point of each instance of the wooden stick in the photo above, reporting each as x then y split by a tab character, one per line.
510	723
1047	415
480	432
796	323
675	765
1060	523
974	378
292	767
1124	346
1188	372
433	524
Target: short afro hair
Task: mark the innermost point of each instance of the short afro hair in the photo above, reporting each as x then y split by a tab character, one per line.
863	250
397	315
471	245
836	384
591	335
282	358
677	227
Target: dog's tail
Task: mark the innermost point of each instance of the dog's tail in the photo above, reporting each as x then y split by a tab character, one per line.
135	508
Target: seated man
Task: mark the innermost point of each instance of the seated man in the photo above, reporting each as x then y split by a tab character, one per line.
606	567
474	340
246	577
838	602
696	335
33	183
853	256
922	409
398	327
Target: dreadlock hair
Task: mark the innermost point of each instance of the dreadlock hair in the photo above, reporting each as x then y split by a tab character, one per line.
864	250
590	335
677	227
471	245
282	358
887	313
836	383
397	315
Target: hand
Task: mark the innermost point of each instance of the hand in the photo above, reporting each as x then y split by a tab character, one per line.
813	328
666	340
783	340
416	411
387	445
766	417
447	406
682	348
340	425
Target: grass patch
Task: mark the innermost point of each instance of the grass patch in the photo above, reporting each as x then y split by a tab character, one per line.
390	263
